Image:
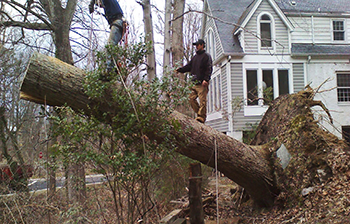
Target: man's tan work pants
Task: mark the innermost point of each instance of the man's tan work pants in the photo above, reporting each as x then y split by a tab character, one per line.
200	109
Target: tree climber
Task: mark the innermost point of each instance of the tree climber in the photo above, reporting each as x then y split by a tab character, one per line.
115	17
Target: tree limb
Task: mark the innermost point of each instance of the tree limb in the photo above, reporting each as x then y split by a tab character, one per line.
319	103
50	81
26	25
14	3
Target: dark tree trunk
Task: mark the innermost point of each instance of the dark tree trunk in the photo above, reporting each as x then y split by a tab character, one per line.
63	47
195	194
177	35
151	58
61	19
289	121
51	81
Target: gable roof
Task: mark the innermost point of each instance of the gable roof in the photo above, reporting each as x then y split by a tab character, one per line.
247	15
235	11
314	6
229	11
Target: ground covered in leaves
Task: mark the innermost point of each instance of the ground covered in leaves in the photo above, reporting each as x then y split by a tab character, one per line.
325	201
314	187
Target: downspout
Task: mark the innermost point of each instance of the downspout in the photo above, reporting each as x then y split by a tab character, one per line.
229	96
313	29
306	82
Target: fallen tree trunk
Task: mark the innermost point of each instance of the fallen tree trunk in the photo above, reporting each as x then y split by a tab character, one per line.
52	82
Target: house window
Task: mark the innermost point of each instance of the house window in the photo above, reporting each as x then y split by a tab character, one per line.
343	87
252	87
338	30
346	133
219	92
215	92
214	102
265	31
268	86
210	101
211	43
283	82
264	85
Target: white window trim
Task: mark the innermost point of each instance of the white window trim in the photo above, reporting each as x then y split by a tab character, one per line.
241	38
340	103
332	31
245	96
257	110
215	115
219	93
212	98
273	35
210	32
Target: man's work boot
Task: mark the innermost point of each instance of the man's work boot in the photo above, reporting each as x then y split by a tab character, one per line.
200	119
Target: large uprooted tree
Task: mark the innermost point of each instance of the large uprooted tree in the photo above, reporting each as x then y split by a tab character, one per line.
288	121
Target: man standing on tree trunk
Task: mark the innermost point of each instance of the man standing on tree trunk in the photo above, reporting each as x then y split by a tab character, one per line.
201	67
114	15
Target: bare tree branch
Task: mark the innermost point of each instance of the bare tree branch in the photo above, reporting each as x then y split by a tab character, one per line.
13	4
26	25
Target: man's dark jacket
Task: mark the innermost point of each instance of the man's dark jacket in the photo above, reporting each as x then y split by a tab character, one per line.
200	66
112	9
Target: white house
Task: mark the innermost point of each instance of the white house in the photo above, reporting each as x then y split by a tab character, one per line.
276	46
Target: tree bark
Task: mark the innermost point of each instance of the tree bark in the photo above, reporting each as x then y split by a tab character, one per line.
167	38
54	16
51	81
195	194
177	35
151	58
51	183
76	183
3	136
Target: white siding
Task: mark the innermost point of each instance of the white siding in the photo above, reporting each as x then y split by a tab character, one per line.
340	111
347	30
224	92
302	29
298	77
321	32
280	29
218	124
250	39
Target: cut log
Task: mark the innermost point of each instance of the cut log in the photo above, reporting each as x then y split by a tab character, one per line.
52	82
195	194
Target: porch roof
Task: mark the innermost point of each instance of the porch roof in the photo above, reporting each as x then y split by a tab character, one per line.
320	49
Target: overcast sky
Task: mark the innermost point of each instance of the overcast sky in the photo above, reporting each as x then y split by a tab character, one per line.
134	14
133	11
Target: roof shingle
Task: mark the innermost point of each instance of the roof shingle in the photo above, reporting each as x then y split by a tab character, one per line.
231	11
320	49
315	6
